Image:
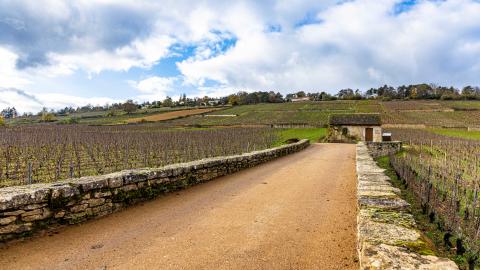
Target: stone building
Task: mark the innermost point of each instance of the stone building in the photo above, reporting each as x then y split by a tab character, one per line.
355	127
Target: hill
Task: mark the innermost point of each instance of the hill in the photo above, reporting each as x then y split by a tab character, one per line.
418	113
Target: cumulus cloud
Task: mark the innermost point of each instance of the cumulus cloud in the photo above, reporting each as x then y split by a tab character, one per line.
9	76
360	44
154	88
138	32
140	53
282	45
37	28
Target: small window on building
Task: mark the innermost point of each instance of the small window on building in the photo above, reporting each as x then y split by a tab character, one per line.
344	131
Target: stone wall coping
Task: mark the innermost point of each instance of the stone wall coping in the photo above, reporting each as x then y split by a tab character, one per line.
387	237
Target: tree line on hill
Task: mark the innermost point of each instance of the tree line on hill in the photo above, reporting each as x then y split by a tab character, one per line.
385	93
424	91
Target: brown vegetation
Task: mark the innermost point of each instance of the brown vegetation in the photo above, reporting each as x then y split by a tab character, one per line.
170	115
44	153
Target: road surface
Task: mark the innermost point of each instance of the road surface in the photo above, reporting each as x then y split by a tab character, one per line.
297	212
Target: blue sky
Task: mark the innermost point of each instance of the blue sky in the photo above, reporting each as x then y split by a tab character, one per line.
57	53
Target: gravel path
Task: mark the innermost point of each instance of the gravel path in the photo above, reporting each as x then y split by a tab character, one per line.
297	212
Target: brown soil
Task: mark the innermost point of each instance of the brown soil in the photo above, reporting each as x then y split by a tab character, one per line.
171	115
297	212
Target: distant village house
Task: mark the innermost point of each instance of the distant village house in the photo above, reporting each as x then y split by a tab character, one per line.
300	99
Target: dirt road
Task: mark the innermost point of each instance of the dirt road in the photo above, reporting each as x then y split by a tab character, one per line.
297	212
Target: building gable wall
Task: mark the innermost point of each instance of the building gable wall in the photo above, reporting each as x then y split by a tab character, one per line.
337	133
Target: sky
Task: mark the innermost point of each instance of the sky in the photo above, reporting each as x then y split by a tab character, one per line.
71	53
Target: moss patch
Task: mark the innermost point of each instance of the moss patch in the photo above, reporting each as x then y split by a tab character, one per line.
390	217
419	247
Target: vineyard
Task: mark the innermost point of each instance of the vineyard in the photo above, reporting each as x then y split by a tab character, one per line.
301	113
428	113
45	153
460	114
451	114
444	174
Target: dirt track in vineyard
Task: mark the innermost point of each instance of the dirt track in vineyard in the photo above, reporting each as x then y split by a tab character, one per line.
297	212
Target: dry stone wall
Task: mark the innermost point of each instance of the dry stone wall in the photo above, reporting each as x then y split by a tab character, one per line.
26	209
387	234
378	149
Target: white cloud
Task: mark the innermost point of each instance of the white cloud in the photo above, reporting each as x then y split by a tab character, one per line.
27	102
141	53
22	101
9	76
154	88
357	44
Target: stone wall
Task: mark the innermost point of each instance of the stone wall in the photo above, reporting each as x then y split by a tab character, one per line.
387	234
26	209
378	149
287	125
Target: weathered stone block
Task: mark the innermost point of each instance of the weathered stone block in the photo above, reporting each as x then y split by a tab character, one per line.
386	257
91	183
13	213
34	206
44	213
115	180
76	217
33	212
96	202
134	176
59	214
7	220
16	197
102	208
390	202
63	190
78	208
100	194
16	228
128	188
158	181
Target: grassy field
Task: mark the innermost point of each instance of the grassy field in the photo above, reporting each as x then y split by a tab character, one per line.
457	133
312	134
